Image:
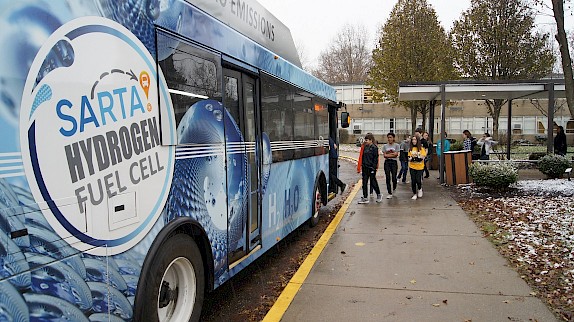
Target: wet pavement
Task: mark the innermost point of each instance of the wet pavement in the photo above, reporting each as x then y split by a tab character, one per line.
407	260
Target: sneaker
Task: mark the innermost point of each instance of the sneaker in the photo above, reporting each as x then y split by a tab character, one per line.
390	196
420	193
343	187
363	200
414	197
379	198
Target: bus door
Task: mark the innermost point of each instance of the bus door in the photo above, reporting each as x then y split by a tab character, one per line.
241	100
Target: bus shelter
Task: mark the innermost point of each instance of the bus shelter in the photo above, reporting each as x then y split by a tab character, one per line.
549	89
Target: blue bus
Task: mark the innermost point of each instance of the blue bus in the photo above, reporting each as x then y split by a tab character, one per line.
151	149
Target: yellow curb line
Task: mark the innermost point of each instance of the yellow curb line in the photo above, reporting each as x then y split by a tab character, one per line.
348	158
278	309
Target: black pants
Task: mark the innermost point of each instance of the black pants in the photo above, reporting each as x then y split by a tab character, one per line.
426	170
416	180
334	181
391	174
370	175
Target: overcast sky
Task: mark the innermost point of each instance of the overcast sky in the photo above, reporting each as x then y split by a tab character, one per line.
314	23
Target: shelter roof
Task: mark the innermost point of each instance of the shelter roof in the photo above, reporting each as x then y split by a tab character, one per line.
474	90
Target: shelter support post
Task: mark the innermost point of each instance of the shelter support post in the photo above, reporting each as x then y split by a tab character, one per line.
432	105
550	127
442	131
509	130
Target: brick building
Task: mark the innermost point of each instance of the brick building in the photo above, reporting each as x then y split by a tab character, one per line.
529	121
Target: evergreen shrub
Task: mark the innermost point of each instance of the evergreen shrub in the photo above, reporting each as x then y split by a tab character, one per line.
498	175
457	146
553	165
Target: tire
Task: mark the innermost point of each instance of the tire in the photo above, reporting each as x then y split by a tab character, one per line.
315	206
174	289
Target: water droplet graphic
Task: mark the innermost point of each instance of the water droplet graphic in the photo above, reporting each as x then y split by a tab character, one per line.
209	107
218	115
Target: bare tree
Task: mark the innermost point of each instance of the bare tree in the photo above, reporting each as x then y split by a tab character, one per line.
303	57
542	107
562	38
348	58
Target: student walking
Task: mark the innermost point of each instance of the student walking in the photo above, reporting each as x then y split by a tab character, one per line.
369	162
486	142
360	161
404	158
417	156
560	145
391	152
442	146
334	181
427	144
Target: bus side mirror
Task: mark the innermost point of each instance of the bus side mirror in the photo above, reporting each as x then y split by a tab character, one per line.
345	119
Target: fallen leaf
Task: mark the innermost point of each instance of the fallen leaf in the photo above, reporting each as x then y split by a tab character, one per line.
436	305
359	244
413	282
445	301
343	252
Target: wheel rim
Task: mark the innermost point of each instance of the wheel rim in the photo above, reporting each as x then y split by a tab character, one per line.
317	203
178	290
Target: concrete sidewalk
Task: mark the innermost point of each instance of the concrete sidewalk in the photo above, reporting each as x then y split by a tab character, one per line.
412	260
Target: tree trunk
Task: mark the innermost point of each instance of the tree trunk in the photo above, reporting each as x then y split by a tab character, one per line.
494	107
561	37
495	127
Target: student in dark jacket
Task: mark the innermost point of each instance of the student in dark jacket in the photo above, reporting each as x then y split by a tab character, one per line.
369	165
560	146
427	144
334	181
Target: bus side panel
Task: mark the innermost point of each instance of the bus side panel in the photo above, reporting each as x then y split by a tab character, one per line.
42	273
287	201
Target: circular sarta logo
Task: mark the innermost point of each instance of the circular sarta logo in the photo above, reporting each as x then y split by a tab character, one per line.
91	136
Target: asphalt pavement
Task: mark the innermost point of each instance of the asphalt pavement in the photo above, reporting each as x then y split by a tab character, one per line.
406	260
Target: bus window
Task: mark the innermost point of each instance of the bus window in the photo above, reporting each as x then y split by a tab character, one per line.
192	75
277	117
303	124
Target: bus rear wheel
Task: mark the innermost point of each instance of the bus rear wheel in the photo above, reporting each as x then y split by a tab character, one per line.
316	206
174	289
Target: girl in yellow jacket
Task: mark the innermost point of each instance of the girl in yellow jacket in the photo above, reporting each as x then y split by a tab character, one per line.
417	156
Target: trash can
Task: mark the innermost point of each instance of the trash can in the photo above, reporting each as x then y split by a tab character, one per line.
456	166
433	162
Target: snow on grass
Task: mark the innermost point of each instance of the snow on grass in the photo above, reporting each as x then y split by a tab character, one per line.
533	225
548	187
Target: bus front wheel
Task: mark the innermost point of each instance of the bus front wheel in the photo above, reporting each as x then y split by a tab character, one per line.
174	289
